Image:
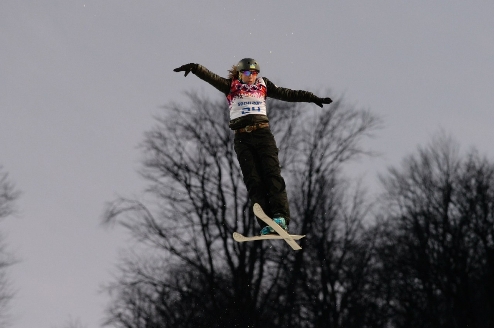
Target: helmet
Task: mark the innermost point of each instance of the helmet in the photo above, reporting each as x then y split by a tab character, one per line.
247	64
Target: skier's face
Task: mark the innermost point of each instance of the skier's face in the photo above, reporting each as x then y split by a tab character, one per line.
248	76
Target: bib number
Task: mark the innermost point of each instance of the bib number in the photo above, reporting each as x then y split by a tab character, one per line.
247	110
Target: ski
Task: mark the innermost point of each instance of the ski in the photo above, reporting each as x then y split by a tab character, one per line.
289	239
241	238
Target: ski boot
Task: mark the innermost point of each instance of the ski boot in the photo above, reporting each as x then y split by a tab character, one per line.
269	230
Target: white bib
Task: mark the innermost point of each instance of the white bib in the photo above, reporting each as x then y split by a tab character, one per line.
245	99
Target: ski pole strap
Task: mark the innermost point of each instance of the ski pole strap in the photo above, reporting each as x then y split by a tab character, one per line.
250	128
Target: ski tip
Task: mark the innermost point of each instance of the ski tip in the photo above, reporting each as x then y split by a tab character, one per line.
238	237
258	209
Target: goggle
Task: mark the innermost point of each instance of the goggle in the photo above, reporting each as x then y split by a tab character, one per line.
248	73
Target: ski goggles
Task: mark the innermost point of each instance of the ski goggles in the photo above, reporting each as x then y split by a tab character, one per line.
249	73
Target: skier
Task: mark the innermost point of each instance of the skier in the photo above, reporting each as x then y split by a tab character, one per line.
254	143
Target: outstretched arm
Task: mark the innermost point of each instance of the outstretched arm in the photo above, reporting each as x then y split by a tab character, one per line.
294	95
203	73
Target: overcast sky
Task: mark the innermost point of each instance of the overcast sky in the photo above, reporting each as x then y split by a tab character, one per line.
81	80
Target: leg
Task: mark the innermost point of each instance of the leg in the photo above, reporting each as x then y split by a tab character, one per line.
271	175
249	164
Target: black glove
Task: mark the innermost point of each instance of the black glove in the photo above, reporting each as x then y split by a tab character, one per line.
321	101
187	68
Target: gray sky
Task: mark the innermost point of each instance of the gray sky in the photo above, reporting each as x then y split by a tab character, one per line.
80	81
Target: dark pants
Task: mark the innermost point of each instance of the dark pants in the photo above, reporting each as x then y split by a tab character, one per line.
257	154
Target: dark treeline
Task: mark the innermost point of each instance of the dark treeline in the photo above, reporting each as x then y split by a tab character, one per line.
421	256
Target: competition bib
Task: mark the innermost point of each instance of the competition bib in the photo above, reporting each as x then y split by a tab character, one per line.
245	99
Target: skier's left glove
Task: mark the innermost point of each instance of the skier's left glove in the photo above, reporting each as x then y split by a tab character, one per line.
187	68
320	101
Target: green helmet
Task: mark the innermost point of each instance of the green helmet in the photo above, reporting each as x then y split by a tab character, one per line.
248	64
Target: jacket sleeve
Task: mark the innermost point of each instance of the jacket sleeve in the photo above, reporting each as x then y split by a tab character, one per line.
216	81
286	94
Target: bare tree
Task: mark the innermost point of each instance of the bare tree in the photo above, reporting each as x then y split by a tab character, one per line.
8	195
73	323
199	200
190	273
328	280
438	245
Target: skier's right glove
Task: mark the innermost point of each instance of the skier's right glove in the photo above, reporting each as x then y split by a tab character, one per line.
187	68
